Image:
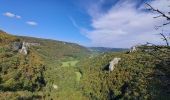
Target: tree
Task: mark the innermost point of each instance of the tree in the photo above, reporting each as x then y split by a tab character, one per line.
163	15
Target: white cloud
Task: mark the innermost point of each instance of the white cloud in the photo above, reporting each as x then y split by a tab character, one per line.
12	15
32	23
18	17
9	14
124	25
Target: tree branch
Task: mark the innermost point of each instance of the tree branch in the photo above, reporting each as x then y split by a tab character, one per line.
158	11
165	39
166	23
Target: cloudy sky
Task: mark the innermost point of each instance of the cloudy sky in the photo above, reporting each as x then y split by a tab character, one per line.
104	23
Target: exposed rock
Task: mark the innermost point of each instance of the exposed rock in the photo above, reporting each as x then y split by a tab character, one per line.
16	46
145	48
113	63
24	49
133	49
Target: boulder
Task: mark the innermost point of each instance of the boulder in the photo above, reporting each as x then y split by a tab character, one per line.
24	49
114	62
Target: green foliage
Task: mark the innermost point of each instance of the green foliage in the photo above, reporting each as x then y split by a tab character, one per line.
51	49
133	78
69	63
6	38
79	74
19	72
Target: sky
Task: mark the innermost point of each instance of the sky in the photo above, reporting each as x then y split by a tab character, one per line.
102	23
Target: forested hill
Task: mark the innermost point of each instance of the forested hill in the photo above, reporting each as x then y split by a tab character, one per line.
140	75
105	49
57	49
42	69
27	66
21	76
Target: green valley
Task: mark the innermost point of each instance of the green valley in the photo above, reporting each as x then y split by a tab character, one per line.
84	50
56	70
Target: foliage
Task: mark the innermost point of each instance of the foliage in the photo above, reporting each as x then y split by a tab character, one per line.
19	72
5	38
79	74
51	49
135	77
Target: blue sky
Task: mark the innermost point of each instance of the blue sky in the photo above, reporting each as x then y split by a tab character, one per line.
52	18
87	22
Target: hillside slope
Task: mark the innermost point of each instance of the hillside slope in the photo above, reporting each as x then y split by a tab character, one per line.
138	76
104	49
56	70
62	74
21	76
57	49
34	75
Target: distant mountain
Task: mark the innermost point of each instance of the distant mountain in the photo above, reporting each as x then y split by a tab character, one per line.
105	49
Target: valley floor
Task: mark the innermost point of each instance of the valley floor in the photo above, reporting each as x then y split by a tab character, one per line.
63	80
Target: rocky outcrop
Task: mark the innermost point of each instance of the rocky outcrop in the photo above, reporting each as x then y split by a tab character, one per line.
24	49
114	62
133	49
16	46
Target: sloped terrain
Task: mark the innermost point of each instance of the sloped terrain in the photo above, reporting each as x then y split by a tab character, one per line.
104	49
53	49
56	70
21	76
138	76
62	75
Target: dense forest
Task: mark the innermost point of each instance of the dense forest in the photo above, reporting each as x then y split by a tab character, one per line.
138	76
20	75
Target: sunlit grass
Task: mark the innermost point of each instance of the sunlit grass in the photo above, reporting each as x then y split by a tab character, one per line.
69	63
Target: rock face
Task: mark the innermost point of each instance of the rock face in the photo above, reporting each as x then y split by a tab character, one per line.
133	49
24	49
114	62
16	46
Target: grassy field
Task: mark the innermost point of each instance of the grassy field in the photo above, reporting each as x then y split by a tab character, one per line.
70	63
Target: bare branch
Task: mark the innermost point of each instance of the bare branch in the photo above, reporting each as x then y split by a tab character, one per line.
158	11
166	23
158	16
165	39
